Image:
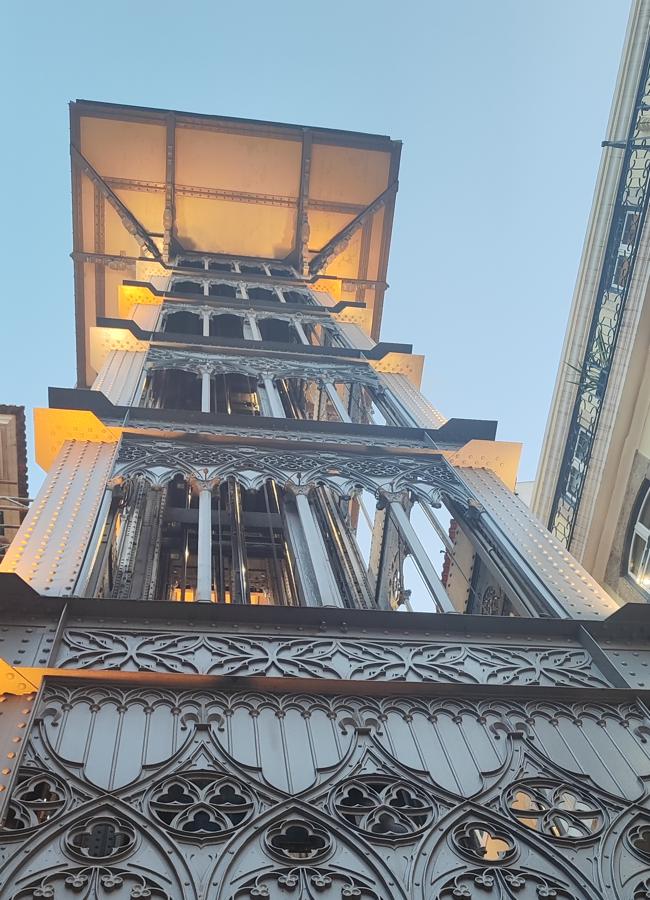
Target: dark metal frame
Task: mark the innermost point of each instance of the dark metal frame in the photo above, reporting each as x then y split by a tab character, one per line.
615	279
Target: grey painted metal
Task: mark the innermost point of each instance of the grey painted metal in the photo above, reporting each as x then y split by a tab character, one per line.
238	563
273	398
301	332
421	558
246	793
203	751
256	334
61	522
204	548
336	401
539	552
327	587
205	391
92	549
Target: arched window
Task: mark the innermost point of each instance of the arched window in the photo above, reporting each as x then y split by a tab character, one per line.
219	265
639	558
234	395
227	326
183	322
252	269
281	271
223	290
277	330
191	264
173	389
262	293
248	565
187	287
305	398
299	297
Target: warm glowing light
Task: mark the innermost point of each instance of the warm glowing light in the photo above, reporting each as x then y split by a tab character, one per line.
52	427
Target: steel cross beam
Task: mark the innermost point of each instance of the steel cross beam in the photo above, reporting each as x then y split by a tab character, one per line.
628	218
340	239
127	218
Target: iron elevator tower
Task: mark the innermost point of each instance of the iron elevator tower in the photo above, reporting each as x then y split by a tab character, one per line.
273	626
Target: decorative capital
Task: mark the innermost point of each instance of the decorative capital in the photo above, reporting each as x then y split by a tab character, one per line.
401	497
204	482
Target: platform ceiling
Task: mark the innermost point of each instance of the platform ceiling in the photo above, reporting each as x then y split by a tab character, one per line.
150	184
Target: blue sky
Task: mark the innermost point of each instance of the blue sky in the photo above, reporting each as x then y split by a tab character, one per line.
501	105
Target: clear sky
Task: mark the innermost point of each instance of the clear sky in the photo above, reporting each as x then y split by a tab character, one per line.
501	105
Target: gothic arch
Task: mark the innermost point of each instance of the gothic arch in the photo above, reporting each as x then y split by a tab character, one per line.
476	852
296	849
100	848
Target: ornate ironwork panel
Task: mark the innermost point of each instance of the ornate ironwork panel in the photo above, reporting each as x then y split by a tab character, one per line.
259	366
357	657
151	792
427	476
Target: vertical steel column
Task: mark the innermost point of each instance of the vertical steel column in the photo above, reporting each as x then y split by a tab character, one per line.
300	331
256	334
275	404
326	583
238	575
390	410
337	403
204	549
420	556
205	390
205	315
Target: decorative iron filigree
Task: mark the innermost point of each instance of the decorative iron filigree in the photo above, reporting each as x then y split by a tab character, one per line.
642	890
101	837
384	807
479	840
96	882
37	798
555	809
262	366
298	839
344	472
503	884
308	884
201	805
328	658
638	838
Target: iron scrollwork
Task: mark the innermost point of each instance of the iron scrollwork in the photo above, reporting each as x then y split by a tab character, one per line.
328	657
555	809
201	805
307	883
38	797
96	882
260	794
262	366
101	837
503	884
298	839
345	473
384	807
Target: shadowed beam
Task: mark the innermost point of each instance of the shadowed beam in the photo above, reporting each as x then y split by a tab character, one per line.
302	220
340	240
126	216
170	166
